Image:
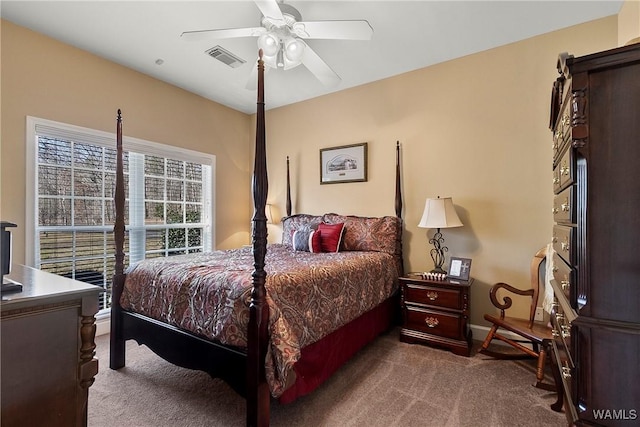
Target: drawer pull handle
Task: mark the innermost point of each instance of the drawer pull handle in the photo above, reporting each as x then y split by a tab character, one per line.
565	246
566	372
431	322
565	206
566	331
432	295
554	210
565	284
556	180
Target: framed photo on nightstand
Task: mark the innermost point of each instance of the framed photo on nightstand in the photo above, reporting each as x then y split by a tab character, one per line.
459	268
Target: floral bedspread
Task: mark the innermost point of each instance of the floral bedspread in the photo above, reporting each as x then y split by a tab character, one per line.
309	296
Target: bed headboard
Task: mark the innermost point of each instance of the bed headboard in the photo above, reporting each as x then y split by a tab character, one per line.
379	234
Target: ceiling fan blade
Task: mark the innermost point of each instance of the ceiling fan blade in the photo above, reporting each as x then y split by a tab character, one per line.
270	9
335	30
222	34
319	68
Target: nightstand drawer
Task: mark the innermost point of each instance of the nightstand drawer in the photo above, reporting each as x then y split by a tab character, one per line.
434	322
428	295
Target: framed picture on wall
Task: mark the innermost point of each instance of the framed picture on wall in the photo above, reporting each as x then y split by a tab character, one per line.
459	268
347	163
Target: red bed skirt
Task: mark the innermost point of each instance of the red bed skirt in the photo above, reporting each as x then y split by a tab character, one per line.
321	359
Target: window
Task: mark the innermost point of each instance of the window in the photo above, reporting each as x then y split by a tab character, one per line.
70	209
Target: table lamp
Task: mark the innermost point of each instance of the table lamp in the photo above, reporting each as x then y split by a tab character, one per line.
439	213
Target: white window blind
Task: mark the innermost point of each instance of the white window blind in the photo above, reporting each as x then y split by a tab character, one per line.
70	209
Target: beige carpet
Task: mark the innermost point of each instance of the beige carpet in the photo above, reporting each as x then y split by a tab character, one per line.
388	383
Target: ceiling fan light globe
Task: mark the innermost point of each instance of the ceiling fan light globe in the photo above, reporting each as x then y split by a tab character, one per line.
294	49
269	44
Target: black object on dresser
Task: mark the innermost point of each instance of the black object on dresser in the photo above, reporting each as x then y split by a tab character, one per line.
595	118
436	312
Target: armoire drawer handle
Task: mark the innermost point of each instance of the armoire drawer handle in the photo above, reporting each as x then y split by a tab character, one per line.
431	322
565	246
566	372
432	295
565	206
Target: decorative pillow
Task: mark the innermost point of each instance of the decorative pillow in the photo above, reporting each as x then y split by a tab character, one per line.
315	245
381	234
296	222
330	236
301	239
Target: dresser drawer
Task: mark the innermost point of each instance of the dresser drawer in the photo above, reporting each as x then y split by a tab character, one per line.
561	330
564	242
564	206
432	296
562	133
563	274
564	171
434	322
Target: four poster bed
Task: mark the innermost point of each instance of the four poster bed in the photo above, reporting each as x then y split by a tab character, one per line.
272	320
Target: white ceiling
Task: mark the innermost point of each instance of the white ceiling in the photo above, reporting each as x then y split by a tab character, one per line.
408	35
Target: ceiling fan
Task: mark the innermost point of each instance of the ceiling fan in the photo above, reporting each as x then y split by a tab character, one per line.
281	37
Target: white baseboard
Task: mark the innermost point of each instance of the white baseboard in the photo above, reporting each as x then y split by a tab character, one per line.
103	324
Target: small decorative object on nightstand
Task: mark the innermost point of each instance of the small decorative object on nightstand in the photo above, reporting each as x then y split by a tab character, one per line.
436	312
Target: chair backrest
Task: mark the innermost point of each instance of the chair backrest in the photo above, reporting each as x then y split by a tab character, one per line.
536	280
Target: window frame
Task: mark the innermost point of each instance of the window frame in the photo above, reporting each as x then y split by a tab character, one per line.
37	126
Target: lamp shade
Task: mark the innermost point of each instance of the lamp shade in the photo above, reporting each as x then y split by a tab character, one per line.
269	44
439	213
294	49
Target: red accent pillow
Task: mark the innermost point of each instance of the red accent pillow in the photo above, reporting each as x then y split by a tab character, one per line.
314	242
330	236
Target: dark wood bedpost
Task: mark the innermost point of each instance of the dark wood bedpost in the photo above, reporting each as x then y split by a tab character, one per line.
288	190
398	185
116	359
398	206
258	395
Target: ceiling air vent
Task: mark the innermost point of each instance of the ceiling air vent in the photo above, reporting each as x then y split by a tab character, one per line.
223	55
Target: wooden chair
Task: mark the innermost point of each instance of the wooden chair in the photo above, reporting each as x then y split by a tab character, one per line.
536	334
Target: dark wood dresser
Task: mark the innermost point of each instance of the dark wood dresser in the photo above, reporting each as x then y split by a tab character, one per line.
595	118
48	350
436	312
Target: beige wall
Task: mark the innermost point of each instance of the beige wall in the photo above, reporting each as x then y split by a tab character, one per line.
44	78
629	22
475	128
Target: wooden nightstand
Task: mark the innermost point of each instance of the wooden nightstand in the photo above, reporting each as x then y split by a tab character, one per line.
436	312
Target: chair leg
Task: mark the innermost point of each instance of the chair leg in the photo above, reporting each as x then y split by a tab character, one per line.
489	337
540	370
